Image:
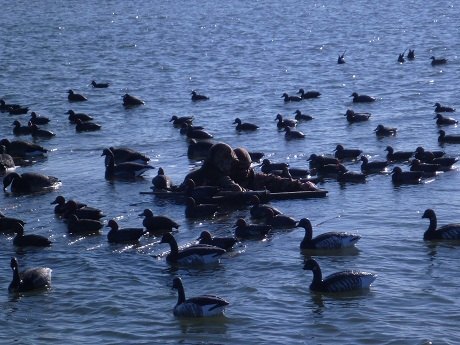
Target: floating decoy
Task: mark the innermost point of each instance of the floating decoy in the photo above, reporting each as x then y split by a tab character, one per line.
426	156
123	235
194	210
75	97
18	129
193	255
327	240
78	226
82	212
397	156
445	162
9	225
86	126
443	108
125	154
341	59
36	119
440	61
73	116
259	210
384	131
302	117
288	98
131	101
123	170
329	170
362	98
308	94
222	242
428	169
200	306
401	57
345	175
280	221
283	123
40	133
201	194
405	177
179	121
99	85
198	97
353	116
61	206
195	133
23	149
31	279
244	126
157	225
317	161
445	120
198	149
293	134
29	240
445	232
6	161
411	54
340	281
161	181
448	138
372	167
29	182
342	153
243	230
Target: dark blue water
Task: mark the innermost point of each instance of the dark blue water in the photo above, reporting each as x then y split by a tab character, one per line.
244	56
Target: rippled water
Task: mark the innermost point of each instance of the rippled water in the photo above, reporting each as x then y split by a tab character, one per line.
244	55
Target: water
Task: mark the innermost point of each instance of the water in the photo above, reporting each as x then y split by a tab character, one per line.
244	56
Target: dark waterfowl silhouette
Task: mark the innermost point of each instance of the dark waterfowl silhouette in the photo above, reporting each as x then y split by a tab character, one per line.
428	169
448	138
317	161
401	58
131	101
18	110
6	161
36	119
123	170
445	232
161	181
37	278
41	133
83	212
353	116
372	167
405	177
443	108
197	97
445	162
293	133
445	120
29	240
201	194
341	58
342	153
61	205
398	156
75	97
194	132
23	149
280	221
426	156
123	235
283	123
73	116
86	126
99	85
198	149
436	62
244	126
362	98
6	107
10	225
259	210
157	225
243	230
384	131
226	243
345	175
18	129
29	182
76	226
179	121
126	154
411	54
194	210
308	94
302	117
288	98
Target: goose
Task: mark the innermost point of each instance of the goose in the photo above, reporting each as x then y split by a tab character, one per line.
222	242
200	306
397	156
445	120
23	149
194	210
243	230
244	126
179	121
125	154
73	116
30	240
308	94
445	232
10	225
193	255
440	61
161	181
86	126
443	109
61	206
405	177
283	123
124	235
30	279
327	240
259	210
448	138
37	119
197	97
131	101
75	97
372	167
29	182
99	85
78	226
353	116
6	161
384	131
127	170
342	153
157	225
362	98
340	281
288	98
302	117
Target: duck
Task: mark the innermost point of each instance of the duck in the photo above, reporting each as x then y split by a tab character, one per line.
156	225
259	210
198	149
6	161
193	255
9	225
200	306
317	161
327	240
201	194
244	126
243	230
226	243
288	98
405	177
448	138
425	155
61	206
76	226
194	210
84	212
18	110
445	120
161	181
345	175
293	173
353	116
439	61
268	166
397	156
73	116
302	117
23	149
411	54
37	278
131	101
5	107
428	169
283	123
75	97
99	85
280	221
86	126
341	59
401	58
40	133
30	240
197	97
308	94
443	108
195	133
36	119
384	131
29	182
372	167
445	232
18	129
329	170
340	281
125	154
179	121
341	153
124	235
293	134
127	170
445	162
362	98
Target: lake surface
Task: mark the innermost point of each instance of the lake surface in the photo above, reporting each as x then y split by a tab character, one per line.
243	55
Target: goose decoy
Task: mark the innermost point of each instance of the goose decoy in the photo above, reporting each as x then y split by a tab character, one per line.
401	58
372	167
193	255
194	210
18	129
75	97
76	226
131	101
327	240
195	133
197	97
397	156
302	117
179	121
40	133
124	235
198	149
201	194
222	242
82	212
30	240
36	119
342	153
244	126
426	156
61	206
200	306
243	230
384	131
353	116
280	221
288	98
362	98
411	54
125	154
345	175
259	210
86	126
308	94
31	279
445	232
405	177
283	123
445	120
340	281
23	149
9	225
440	61
442	108
127	170
99	85
29	182
161	181
428	169
293	134
6	161
18	110
341	59
73	116
157	225
317	161
448	138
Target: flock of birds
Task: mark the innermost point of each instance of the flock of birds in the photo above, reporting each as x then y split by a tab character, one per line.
122	162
